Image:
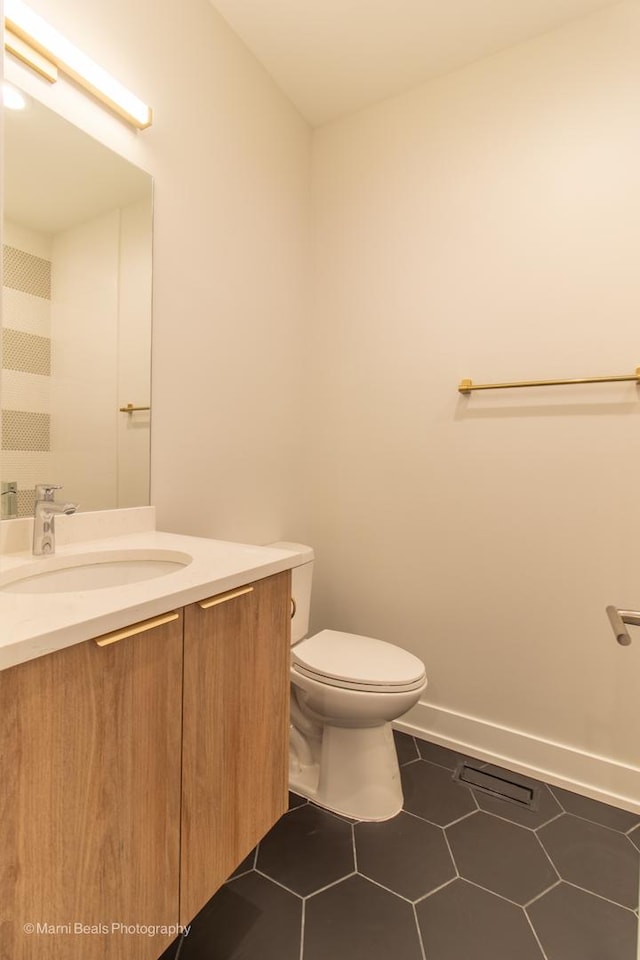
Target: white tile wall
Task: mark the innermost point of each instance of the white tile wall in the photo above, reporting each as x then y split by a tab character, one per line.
26	397
25	391
23	311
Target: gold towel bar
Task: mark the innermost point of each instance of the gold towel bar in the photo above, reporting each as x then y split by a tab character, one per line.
466	386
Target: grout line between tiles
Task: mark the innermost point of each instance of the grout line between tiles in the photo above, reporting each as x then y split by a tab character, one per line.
451	854
606	827
254	856
394	893
471	813
614	903
547	855
236	876
436	889
415	747
492	892
541	894
353	843
298	806
556	797
334	883
417	816
278	884
415	918
434	763
636	850
588	819
179	947
595	823
516	823
552	820
535	934
302	922
342	817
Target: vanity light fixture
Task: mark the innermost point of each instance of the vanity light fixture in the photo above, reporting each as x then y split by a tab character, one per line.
36	43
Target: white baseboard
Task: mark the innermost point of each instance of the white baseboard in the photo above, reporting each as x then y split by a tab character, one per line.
556	763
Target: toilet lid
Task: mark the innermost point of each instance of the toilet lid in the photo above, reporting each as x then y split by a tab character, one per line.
346	659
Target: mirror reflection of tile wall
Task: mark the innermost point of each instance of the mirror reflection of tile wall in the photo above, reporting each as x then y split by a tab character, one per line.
26	365
76	318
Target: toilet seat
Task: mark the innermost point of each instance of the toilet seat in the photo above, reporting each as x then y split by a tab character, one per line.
357	663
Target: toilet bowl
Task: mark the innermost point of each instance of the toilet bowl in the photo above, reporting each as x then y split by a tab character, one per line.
345	691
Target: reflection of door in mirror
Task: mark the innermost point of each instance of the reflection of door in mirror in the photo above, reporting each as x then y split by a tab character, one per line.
76	316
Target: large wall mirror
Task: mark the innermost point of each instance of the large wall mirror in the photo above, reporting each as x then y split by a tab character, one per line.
76	317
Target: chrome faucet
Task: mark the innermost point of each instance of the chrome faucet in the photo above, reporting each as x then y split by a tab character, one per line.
8	499
44	514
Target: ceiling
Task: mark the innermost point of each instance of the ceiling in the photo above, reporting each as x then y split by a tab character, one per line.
332	57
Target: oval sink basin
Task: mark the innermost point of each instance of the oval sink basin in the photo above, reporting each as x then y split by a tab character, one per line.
92	571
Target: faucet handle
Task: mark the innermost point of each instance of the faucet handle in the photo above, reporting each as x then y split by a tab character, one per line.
47	491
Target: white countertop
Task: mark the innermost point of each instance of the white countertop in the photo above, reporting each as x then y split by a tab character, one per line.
32	625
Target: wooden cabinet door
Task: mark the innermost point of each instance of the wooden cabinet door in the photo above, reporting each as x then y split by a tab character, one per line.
235	731
90	799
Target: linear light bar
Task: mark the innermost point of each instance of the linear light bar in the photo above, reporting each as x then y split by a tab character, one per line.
23	51
21	21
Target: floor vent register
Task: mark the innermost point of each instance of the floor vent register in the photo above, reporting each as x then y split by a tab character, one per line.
522	794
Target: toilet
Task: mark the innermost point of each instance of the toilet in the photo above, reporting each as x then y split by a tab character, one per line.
345	691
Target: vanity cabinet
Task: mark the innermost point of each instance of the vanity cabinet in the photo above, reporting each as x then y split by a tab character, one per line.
137	771
90	797
235	732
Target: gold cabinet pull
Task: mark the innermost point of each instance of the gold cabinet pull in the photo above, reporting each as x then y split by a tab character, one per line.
141	627
293	608
214	601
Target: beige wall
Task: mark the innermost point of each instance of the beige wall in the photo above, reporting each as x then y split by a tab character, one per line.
487	225
230	159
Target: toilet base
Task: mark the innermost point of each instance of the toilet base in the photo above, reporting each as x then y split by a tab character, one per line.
356	773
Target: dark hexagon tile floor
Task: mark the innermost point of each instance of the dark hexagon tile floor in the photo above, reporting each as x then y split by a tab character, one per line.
406	748
634	836
501	857
571	924
458	873
307	850
602	813
357	920
405	854
249	917
431	793
593	857
463	921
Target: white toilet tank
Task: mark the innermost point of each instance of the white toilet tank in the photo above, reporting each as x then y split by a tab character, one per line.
301	577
